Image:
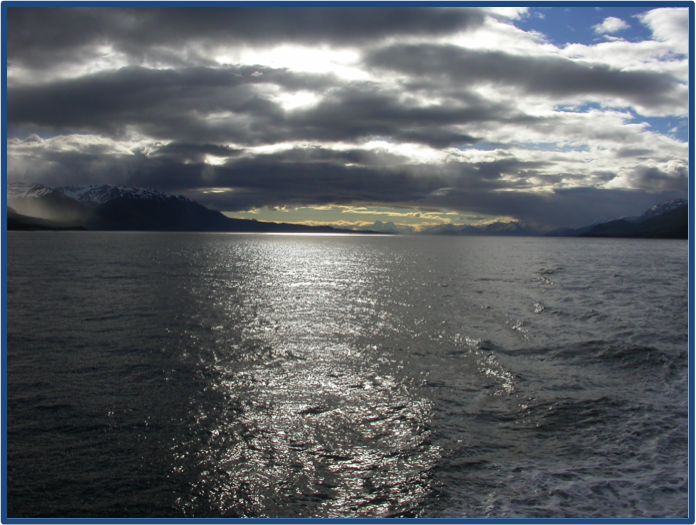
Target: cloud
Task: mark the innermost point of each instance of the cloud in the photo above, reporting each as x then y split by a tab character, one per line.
51	36
611	25
556	76
674	178
443	109
160	103
670	25
512	12
193	153
234	105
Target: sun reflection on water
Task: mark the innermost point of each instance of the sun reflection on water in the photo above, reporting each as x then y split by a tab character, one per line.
309	419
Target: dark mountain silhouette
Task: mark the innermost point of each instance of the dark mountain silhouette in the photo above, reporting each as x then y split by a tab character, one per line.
108	207
17	221
668	220
672	224
41	202
570	232
127	213
501	229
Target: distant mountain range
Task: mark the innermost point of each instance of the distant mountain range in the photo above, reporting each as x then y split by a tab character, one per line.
108	207
501	229
669	220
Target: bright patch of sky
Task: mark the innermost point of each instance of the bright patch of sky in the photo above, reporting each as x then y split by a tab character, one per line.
359	217
562	26
674	127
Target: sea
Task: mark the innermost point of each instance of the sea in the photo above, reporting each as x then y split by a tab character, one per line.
165	375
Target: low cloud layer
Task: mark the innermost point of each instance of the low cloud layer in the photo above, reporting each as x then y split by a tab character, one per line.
430	108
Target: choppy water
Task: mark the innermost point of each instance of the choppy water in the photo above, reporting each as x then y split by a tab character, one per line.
207	375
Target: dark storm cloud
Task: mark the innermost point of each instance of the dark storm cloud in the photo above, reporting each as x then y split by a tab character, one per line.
651	178
183	152
298	176
510	166
177	104
38	37
317	176
318	154
551	75
320	176
363	111
92	165
281	179
602	176
182	104
169	103
164	104
623	153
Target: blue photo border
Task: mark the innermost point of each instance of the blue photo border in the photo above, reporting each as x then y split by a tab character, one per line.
3	362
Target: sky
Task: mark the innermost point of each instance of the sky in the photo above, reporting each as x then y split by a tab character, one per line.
358	116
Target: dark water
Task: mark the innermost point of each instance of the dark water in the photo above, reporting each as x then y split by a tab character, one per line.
207	375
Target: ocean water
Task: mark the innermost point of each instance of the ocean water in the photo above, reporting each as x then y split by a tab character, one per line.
223	375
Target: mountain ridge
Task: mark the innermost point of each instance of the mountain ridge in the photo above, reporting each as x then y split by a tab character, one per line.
671	224
122	208
96	194
667	220
119	208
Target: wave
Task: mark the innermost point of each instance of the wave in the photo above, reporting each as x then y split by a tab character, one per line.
610	353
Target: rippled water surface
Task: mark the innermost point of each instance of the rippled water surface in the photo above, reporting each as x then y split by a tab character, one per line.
208	375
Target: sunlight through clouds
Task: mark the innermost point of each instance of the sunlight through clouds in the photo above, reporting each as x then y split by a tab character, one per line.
381	107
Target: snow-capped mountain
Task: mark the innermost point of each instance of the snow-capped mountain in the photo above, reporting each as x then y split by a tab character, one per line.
96	194
668	220
661	209
42	202
23	190
109	207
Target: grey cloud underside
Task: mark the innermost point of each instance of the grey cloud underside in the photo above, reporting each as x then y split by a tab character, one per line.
632	152
654	179
187	152
234	104
182	105
556	76
319	174
170	103
38	37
